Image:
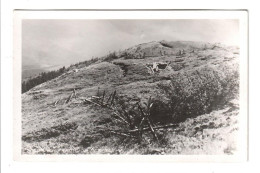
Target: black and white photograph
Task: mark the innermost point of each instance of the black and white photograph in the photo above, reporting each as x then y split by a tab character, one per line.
132	86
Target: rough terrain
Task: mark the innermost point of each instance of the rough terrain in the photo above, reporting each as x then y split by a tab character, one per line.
53	125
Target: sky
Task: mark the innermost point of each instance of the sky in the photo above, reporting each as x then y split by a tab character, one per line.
63	42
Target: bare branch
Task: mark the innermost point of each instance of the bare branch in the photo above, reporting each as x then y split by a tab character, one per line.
113	97
157	127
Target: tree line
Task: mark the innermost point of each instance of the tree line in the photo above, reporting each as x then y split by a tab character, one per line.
43	77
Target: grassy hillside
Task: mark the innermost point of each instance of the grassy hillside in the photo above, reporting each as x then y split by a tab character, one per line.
194	99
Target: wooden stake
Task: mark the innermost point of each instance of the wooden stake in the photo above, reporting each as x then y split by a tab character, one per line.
109	97
98	92
68	100
113	97
74	93
141	128
87	100
149	122
104	93
152	130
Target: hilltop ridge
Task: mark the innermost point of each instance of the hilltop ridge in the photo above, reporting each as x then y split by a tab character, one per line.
52	123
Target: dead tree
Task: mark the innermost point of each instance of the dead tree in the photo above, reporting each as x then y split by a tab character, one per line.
71	96
135	126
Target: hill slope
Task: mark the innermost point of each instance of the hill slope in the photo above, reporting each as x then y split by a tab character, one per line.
193	85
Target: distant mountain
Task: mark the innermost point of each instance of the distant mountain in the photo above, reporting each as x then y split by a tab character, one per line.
31	71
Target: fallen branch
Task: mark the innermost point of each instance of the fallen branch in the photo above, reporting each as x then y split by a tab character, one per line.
106	105
96	97
140	129
56	102
103	97
113	97
68	100
152	129
87	100
74	93
148	120
157	127
109	97
121	118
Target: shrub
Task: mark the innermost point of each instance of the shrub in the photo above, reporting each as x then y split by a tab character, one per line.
198	93
160	111
177	67
127	55
111	57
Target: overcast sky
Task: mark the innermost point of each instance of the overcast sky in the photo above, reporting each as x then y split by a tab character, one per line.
62	42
